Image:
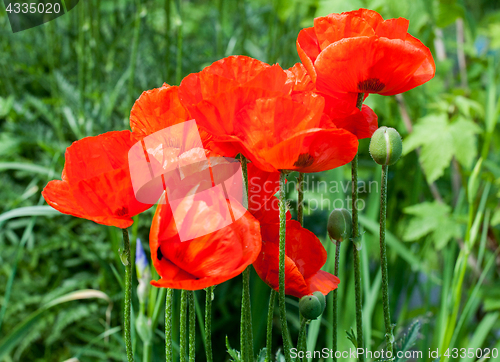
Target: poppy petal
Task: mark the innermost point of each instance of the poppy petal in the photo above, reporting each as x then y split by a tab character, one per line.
393	28
371	65
305	255
96	181
155	110
323	282
334	27
206	260
308	49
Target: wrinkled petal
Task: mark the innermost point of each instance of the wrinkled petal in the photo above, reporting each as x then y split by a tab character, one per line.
300	78
334	27
96	181
371	65
206	260
155	110
308	49
314	150
305	255
323	282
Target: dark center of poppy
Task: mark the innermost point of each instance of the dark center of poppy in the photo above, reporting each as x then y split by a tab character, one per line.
122	211
372	85
304	160
159	255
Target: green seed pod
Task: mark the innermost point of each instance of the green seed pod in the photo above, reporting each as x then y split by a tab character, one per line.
310	307
386	146
340	225
321	299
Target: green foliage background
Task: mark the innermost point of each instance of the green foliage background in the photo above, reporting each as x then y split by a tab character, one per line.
79	75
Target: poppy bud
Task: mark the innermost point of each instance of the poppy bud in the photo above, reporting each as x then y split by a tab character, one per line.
386	146
339	225
321	299
310	307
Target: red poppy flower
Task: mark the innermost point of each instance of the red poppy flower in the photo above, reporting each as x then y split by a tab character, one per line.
248	107
360	52
304	256
206	260
341	109
96	181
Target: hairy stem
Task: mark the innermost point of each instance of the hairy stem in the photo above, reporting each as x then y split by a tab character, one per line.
284	324
335	311
300	199
269	336
246	330
301	342
168	325
192	326
128	294
383	262
208	323
183	327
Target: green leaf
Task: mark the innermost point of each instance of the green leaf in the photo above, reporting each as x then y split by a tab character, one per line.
463	133
235	354
19	332
495	220
432	218
447	11
408	340
29	167
29	211
440	140
351	335
473	183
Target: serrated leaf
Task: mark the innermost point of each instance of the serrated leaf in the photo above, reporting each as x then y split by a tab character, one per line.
440	140
352	337
408	340
262	355
235	354
431	218
463	133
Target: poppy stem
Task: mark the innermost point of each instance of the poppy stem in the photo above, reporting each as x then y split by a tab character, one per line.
269	337
357	246
183	327
301	342
284	324
300	199
246	330
389	338
192	326
335	312
128	294
168	325
208	323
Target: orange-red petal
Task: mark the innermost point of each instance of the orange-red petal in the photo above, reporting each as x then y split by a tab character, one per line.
305	255
96	181
373	65
206	260
155	110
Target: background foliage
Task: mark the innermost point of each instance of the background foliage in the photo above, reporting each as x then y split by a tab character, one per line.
79	75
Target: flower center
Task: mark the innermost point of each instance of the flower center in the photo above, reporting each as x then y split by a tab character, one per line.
122	211
372	85
304	160
159	254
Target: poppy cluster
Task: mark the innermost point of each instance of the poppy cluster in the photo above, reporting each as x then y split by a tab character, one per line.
303	119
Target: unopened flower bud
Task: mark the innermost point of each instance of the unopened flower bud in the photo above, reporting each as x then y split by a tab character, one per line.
386	146
321	299
339	225
310	307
